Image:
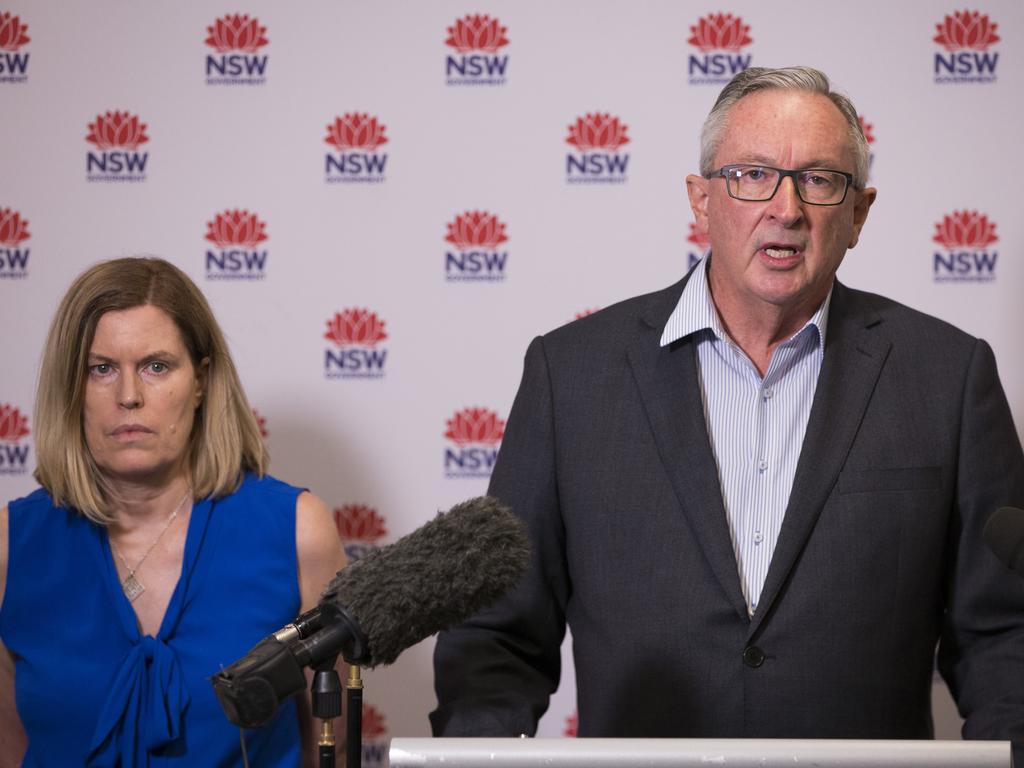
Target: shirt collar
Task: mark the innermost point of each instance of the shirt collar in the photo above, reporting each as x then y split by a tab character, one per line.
696	311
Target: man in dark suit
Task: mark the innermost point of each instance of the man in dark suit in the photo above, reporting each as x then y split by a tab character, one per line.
757	496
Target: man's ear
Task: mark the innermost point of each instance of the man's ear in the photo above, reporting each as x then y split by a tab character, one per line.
861	205
697	189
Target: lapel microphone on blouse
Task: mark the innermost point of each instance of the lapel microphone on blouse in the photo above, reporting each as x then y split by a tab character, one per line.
1004	534
435	577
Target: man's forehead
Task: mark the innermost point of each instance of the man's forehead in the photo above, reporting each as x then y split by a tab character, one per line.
780	103
766	123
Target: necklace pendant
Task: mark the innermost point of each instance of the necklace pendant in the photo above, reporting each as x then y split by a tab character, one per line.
132	587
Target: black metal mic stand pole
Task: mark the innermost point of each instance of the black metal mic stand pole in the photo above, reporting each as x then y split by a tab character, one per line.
354	719
325	693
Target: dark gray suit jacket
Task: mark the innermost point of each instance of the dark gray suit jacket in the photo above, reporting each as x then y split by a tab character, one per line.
909	448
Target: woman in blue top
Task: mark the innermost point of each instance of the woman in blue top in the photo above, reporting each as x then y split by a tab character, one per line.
157	550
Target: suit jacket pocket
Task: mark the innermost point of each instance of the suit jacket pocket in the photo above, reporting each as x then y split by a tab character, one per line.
900	479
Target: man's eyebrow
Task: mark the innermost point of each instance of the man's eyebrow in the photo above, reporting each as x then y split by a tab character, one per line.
762	160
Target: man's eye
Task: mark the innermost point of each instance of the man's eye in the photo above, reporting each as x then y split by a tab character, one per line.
822	179
753	174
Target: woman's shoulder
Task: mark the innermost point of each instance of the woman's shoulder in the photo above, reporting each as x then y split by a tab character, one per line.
40	539
38	499
36	511
267	485
262	501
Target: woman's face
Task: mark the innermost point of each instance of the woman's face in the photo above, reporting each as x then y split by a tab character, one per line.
141	396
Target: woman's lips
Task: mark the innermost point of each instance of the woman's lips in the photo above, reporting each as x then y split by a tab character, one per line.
129	431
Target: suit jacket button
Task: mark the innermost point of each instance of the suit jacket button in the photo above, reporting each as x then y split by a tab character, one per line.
753	656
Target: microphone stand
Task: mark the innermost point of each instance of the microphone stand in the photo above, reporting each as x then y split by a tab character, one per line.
325	693
354	719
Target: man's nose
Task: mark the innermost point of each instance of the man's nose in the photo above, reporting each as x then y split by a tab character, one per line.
786	206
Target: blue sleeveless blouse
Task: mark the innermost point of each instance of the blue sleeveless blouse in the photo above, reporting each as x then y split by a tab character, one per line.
91	690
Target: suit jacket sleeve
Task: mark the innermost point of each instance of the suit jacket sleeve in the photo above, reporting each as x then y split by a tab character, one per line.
981	651
495	673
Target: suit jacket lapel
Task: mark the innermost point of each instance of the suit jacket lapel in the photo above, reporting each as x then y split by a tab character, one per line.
855	351
667	379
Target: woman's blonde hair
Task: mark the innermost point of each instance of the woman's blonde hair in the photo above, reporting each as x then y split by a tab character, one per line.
225	440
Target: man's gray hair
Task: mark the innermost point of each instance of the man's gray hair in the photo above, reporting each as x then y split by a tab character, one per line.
787	79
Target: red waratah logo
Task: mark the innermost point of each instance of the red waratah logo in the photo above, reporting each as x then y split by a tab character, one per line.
235	228
584	313
572	725
597	131
966	30
261	422
698	238
475	425
476	229
720	32
476	32
117	130
965	229
13	426
358	522
237	32
12	33
13	228
355	131
867	128
355	327
373	723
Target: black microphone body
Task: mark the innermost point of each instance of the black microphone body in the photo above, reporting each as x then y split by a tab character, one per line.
437	576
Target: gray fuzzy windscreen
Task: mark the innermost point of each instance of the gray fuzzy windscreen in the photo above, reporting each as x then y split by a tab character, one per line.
437	576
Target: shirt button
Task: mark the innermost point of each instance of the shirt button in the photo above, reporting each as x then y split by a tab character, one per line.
758	537
753	656
767	393
762	465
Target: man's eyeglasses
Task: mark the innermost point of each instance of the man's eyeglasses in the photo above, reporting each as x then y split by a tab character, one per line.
757	183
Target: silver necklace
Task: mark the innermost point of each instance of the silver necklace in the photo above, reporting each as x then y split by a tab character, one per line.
132	586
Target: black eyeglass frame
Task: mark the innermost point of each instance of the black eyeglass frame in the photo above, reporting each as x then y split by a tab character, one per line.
783	173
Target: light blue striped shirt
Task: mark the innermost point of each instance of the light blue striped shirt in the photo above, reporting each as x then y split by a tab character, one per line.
756	425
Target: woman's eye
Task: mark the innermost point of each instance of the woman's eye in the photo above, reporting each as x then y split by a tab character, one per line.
157	367
101	369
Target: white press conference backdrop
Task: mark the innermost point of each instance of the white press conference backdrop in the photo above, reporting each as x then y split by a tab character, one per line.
385	201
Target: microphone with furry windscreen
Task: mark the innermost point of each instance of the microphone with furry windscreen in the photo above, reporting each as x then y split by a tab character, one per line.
437	576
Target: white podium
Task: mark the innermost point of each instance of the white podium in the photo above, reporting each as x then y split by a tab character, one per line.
694	753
